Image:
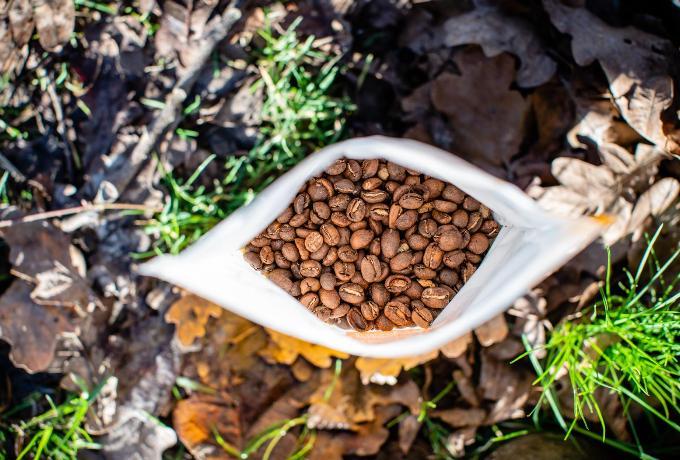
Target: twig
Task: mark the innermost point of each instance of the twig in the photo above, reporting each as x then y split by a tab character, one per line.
9	167
75	210
168	118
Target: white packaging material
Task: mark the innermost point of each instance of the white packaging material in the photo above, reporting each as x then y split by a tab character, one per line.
530	246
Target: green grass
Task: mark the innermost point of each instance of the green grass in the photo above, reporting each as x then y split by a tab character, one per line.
301	113
58	433
627	343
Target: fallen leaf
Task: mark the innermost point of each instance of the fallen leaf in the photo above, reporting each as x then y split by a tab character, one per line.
284	349
496	32
654	201
635	63
545	446
21	21
408	430
137	435
457	347
32	330
197	418
456	441
493	331
459	417
190	314
487	117
54	21
381	371
509	387
531	322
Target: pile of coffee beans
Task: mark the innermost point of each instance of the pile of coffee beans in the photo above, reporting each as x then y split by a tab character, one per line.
373	245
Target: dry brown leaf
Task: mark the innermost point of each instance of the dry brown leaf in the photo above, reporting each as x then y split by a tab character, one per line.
459	417
456	441
493	331
408	430
32	330
54	21
21	21
382	371
284	349
635	63
190	314
496	32
486	116
508	386
457	347
197	418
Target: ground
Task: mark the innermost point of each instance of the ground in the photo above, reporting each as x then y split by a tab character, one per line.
129	129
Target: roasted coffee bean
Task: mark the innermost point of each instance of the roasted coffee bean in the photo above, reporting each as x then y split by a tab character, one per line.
371	184
344	270
331	257
329	298
370	310
379	294
340	311
384	324
441	217
394	213
369	168
357	321
336	168
370	268
396	172
327	281
339	202
348	254
389	243
323	313
374	196
340	219
285	216
281	278
309	285
453	259
397	283
345	186
320	189
414	291
322	209
351	293
411	201
475	222
253	258
472	257
302	250
435	297
301	203
287	233
470	204
375	226
445	206
449	240
267	255
290	252
435	187
466	238
433	256
398	313
260	241
356	210
295	289
374	247
406	220
468	270
489	227
423	272
277	245
310	300
453	193
310	268
354	226
320	254
353	171
272	231
361	238
418	242
427	228
479	243
330	234
401	261
298	220
281	261
448	277
420	315
345	234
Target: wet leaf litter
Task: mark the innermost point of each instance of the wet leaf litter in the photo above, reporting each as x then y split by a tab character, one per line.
572	101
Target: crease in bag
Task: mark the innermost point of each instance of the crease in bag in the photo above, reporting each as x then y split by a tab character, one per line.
530	246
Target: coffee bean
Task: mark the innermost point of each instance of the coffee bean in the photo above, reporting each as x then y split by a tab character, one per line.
285	216
374	196
423	272
310	300
433	256
313	241
453	193
357	321
468	270
375	226
471	204
427	228
420	315
253	258
345	186
330	234
411	201
281	261
310	268
260	241
417	242
281	278
445	206
435	187
398	313
361	238
397	283
323	313
298	220
331	257
301	202
329	298
336	168
379	294
290	252
441	217
327	281
453	259
340	311
320	254
267	255
338	203
369	168
472	257
490	228
370	310
414	291
475	222
396	172
406	220
302	250
371	184
340	219
348	254
449	240
356	210
370	268
351	293
478	244
395	212
322	210
320	189
435	297
401	261
384	324
344	270
309	285
448	277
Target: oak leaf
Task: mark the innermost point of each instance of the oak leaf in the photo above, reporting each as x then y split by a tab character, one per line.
190	314
284	349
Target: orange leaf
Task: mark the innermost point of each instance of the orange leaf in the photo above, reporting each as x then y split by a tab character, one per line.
284	349
379	370
191	314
